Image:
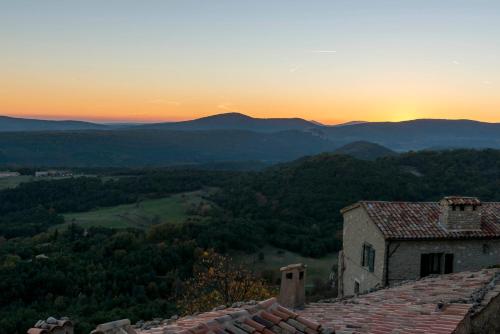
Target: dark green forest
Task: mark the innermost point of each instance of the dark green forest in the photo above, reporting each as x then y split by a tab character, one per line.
97	275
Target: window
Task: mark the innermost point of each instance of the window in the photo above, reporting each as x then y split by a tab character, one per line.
356	287
462	207
432	263
368	257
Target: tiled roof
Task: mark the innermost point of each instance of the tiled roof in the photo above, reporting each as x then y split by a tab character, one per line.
434	305
420	220
266	317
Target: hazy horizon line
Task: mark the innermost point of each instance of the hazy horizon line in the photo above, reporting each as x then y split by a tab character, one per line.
182	119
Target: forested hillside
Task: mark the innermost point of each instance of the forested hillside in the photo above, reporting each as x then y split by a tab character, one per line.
140	148
98	274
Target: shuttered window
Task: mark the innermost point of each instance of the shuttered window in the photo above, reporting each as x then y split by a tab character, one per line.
432	263
368	259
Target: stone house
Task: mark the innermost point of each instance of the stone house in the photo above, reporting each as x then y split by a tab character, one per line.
385	243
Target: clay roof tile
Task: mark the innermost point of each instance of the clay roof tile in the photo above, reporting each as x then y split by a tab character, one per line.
411	307
37	331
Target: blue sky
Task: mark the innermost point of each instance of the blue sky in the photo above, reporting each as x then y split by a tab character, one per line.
325	60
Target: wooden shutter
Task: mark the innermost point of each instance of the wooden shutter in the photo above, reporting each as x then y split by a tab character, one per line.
448	263
424	265
371	262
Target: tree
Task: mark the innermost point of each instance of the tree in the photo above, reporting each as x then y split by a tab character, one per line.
219	281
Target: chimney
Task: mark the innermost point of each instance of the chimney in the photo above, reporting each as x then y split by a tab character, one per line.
292	291
460	213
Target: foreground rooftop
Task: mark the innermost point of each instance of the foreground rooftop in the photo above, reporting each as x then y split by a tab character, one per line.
460	303
432	305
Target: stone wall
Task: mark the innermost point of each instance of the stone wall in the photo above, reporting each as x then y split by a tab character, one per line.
359	229
468	255
488	320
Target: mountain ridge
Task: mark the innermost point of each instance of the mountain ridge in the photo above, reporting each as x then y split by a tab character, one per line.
228	137
222	121
11	124
235	121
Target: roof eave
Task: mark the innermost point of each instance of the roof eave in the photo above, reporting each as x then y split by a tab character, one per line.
443	238
350	207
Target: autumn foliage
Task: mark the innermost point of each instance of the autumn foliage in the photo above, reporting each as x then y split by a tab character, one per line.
219	281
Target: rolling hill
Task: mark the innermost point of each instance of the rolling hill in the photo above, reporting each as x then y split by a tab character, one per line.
226	121
224	138
12	124
419	134
155	147
365	150
235	121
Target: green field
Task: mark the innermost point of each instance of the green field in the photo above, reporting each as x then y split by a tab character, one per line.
14	181
274	259
174	209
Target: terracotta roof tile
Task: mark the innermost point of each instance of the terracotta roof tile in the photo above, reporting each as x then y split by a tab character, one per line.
420	220
37	331
52	325
429	306
266	317
255	324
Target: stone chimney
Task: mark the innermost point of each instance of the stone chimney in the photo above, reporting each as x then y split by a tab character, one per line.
293	291
460	213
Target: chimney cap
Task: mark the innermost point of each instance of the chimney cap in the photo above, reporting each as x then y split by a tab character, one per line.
461	200
293	266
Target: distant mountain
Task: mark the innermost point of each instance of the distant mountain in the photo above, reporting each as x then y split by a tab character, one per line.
224	138
419	134
155	147
28	124
235	121
351	123
365	150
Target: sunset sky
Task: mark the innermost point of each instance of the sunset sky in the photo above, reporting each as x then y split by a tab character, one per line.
330	61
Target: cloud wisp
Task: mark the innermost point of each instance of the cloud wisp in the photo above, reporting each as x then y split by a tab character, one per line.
163	101
227	106
324	51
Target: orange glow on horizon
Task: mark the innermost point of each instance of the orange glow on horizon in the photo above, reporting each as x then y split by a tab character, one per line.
107	100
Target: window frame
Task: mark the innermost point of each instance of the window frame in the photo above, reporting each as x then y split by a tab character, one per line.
436	263
368	257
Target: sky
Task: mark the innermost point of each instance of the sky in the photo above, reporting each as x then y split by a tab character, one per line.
330	61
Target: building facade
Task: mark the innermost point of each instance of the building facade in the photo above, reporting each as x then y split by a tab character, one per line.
390	242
